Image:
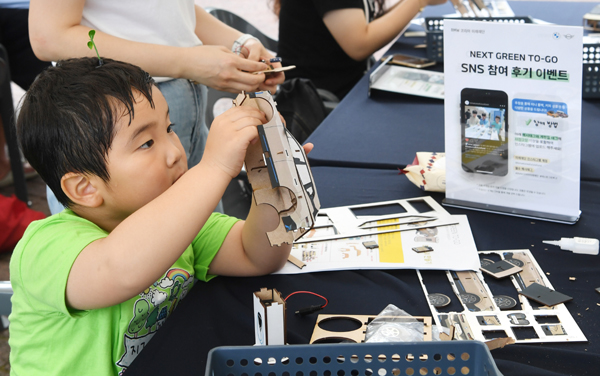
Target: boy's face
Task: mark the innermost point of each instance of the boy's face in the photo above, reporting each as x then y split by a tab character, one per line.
145	158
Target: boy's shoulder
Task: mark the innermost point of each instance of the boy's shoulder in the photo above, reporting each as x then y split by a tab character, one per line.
60	224
53	237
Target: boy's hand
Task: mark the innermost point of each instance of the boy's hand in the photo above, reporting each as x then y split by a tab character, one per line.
308	147
229	137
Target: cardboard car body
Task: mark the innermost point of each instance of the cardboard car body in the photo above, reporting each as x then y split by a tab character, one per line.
279	172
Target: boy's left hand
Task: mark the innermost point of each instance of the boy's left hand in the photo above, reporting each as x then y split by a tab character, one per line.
308	147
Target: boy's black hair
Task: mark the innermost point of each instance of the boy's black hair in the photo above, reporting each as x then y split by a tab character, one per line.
67	120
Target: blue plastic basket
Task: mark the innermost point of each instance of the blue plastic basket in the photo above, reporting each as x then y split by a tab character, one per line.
376	359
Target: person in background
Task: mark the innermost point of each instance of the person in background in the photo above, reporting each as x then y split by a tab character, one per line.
182	46
496	123
330	41
473	120
24	67
484	121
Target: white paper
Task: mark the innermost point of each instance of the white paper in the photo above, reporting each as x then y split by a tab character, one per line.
453	245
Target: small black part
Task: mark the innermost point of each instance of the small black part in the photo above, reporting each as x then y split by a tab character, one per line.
371	244
486	262
544	295
518	319
422	249
488	320
438	300
554	330
499	267
289	223
505	302
421	206
524	332
309	310
493	334
547	319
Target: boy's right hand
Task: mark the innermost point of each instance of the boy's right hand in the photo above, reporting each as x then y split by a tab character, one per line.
229	137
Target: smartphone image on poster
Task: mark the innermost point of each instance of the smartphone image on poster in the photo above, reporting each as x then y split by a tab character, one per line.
484	131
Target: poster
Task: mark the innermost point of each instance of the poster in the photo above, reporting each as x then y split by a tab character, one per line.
513	118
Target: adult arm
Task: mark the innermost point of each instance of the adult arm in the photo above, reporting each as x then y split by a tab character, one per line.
360	39
214	32
56	33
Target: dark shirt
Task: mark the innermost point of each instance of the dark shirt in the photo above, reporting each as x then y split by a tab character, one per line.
305	41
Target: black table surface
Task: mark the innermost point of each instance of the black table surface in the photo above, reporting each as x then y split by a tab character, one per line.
220	312
353	164
387	129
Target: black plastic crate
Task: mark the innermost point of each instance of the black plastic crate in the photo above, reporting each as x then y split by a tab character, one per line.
591	71
377	359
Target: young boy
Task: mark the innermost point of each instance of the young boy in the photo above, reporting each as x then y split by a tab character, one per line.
93	283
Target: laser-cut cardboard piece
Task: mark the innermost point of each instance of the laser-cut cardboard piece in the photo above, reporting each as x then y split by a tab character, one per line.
499	343
526	322
501	269
472	292
358	335
348	225
269	317
279	173
544	295
275	70
296	261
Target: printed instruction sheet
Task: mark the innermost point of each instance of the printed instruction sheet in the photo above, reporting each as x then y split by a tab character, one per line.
346	238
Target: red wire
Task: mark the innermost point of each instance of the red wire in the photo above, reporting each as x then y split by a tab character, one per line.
308	292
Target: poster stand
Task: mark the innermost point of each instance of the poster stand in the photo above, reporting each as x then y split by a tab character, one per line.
513	118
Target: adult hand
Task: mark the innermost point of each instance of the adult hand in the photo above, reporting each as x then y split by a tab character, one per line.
255	52
221	69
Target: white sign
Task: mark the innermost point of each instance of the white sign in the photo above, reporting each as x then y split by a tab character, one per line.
513	118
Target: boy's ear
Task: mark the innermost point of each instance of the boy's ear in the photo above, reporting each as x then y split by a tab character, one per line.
81	189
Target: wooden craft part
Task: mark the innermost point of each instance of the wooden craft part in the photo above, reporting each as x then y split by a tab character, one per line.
501	269
358	335
499	343
275	70
279	173
447	337
296	261
269	317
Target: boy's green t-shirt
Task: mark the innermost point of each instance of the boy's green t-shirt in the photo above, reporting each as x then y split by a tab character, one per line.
48	338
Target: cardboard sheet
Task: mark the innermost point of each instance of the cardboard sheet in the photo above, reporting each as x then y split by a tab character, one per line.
483	318
344	239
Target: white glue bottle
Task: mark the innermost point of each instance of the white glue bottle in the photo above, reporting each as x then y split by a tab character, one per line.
586	246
